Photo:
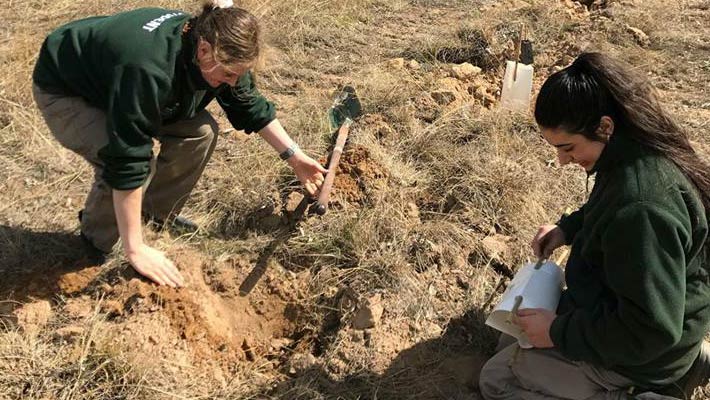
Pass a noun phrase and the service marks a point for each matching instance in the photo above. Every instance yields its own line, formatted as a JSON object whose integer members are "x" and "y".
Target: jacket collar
{"x": 620, "y": 149}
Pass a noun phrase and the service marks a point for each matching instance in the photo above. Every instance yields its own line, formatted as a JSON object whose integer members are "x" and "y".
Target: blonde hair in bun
{"x": 233, "y": 32}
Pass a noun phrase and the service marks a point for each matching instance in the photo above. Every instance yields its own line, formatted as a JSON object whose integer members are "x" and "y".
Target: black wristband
{"x": 286, "y": 154}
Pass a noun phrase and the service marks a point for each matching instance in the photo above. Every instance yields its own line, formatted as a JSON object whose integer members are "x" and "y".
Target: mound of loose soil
{"x": 376, "y": 125}
{"x": 357, "y": 177}
{"x": 206, "y": 324}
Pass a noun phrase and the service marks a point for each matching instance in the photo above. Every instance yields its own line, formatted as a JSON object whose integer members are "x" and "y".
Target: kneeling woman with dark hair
{"x": 637, "y": 303}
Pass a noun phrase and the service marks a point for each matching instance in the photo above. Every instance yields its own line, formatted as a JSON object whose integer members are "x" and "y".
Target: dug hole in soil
{"x": 205, "y": 325}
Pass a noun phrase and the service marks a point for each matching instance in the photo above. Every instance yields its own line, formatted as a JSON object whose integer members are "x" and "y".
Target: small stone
{"x": 300, "y": 362}
{"x": 608, "y": 13}
{"x": 396, "y": 63}
{"x": 414, "y": 65}
{"x": 32, "y": 317}
{"x": 432, "y": 290}
{"x": 431, "y": 329}
{"x": 581, "y": 8}
{"x": 640, "y": 36}
{"x": 368, "y": 313}
{"x": 465, "y": 71}
{"x": 293, "y": 200}
{"x": 330, "y": 291}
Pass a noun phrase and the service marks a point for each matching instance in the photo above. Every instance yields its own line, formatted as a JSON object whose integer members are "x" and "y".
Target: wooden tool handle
{"x": 324, "y": 195}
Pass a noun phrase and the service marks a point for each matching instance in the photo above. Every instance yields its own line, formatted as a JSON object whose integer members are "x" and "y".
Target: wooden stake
{"x": 518, "y": 45}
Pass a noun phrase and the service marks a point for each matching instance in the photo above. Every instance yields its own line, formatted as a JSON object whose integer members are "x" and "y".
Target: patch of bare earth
{"x": 205, "y": 325}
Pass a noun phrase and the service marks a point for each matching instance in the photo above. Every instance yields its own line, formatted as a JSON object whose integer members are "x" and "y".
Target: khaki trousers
{"x": 185, "y": 148}
{"x": 537, "y": 374}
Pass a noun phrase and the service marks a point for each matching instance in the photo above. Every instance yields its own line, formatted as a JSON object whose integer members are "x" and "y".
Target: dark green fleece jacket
{"x": 638, "y": 290}
{"x": 139, "y": 67}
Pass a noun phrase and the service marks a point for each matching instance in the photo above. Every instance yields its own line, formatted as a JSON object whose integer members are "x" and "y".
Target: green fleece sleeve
{"x": 245, "y": 107}
{"x": 571, "y": 224}
{"x": 132, "y": 118}
{"x": 644, "y": 265}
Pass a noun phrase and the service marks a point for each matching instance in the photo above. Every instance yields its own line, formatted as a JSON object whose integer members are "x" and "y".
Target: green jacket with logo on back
{"x": 638, "y": 288}
{"x": 139, "y": 68}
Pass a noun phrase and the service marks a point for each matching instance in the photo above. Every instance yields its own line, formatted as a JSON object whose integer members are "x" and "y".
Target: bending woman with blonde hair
{"x": 108, "y": 86}
{"x": 637, "y": 305}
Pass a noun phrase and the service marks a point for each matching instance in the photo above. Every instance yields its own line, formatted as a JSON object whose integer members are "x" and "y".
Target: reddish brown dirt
{"x": 208, "y": 320}
{"x": 357, "y": 176}
{"x": 75, "y": 282}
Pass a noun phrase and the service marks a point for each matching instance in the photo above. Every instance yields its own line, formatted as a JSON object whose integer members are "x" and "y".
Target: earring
{"x": 607, "y": 135}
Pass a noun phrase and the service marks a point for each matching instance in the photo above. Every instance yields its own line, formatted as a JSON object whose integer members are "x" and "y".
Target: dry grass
{"x": 37, "y": 366}
{"x": 468, "y": 173}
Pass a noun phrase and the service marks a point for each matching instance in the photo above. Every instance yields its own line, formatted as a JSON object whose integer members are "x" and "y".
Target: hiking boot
{"x": 183, "y": 225}
{"x": 179, "y": 225}
{"x": 95, "y": 254}
{"x": 698, "y": 375}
